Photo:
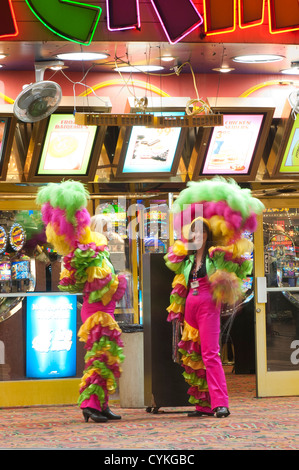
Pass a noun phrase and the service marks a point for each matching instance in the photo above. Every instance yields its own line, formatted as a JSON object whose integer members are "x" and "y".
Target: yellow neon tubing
{"x": 257, "y": 23}
{"x": 224, "y": 31}
{"x": 264, "y": 84}
{"x": 137, "y": 83}
{"x": 7, "y": 99}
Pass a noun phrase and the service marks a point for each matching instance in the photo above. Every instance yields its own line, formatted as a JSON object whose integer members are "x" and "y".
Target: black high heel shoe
{"x": 109, "y": 414}
{"x": 221, "y": 412}
{"x": 95, "y": 415}
{"x": 197, "y": 414}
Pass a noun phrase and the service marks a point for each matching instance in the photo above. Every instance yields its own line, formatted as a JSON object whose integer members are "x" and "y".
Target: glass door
{"x": 277, "y": 299}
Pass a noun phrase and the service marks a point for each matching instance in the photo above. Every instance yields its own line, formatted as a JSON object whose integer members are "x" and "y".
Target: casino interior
{"x": 135, "y": 99}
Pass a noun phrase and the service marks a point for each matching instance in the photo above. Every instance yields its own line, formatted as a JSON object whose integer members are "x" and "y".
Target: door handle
{"x": 261, "y": 287}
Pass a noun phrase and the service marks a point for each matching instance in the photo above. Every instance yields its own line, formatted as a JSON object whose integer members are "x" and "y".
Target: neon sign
{"x": 177, "y": 26}
{"x": 74, "y": 21}
{"x": 123, "y": 15}
{"x": 8, "y": 24}
{"x": 77, "y": 21}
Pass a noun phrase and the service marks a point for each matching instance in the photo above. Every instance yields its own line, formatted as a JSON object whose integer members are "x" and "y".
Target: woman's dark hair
{"x": 209, "y": 241}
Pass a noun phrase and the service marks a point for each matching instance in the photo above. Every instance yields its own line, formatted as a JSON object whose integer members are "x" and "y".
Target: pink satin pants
{"x": 202, "y": 313}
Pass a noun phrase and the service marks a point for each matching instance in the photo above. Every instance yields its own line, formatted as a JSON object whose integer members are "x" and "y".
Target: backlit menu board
{"x": 67, "y": 147}
{"x": 7, "y": 131}
{"x": 290, "y": 160}
{"x": 232, "y": 146}
{"x": 151, "y": 150}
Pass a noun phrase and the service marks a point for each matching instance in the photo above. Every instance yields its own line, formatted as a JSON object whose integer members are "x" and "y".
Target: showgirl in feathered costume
{"x": 87, "y": 270}
{"x": 206, "y": 278}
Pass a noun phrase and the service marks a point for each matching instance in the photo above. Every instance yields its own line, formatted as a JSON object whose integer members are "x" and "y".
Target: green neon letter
{"x": 75, "y": 21}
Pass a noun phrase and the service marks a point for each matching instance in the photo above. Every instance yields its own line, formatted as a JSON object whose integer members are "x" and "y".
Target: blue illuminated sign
{"x": 51, "y": 336}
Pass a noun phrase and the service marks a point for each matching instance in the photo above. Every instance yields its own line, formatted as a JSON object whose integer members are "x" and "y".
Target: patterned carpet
{"x": 254, "y": 424}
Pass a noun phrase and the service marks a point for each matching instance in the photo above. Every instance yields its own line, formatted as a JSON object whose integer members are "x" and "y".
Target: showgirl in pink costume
{"x": 87, "y": 270}
{"x": 210, "y": 260}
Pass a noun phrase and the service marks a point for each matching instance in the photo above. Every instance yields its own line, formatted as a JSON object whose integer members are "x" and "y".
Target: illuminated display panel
{"x": 67, "y": 147}
{"x": 151, "y": 151}
{"x": 4, "y": 126}
{"x": 290, "y": 160}
{"x": 7, "y": 129}
{"x": 51, "y": 336}
{"x": 232, "y": 146}
{"x": 283, "y": 160}
{"x": 236, "y": 148}
{"x": 61, "y": 148}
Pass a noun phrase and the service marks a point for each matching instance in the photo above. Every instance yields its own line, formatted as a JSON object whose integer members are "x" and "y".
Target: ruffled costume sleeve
{"x": 88, "y": 270}
{"x": 87, "y": 267}
{"x": 175, "y": 260}
{"x": 229, "y": 211}
{"x": 227, "y": 267}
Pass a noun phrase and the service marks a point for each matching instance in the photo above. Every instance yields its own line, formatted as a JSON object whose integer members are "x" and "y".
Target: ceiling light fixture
{"x": 83, "y": 56}
{"x": 291, "y": 71}
{"x": 167, "y": 58}
{"x": 58, "y": 67}
{"x": 257, "y": 58}
{"x": 139, "y": 68}
{"x": 224, "y": 69}
{"x": 2, "y": 56}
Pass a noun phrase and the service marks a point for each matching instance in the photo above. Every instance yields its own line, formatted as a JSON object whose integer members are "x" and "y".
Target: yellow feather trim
{"x": 238, "y": 249}
{"x": 225, "y": 287}
{"x": 58, "y": 241}
{"x": 221, "y": 233}
{"x": 241, "y": 247}
{"x": 98, "y": 238}
{"x": 85, "y": 236}
{"x": 102, "y": 318}
{"x": 179, "y": 248}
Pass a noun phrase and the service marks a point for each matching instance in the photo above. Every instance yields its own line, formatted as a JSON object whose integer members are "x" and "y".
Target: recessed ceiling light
{"x": 83, "y": 56}
{"x": 224, "y": 69}
{"x": 2, "y": 56}
{"x": 139, "y": 68}
{"x": 257, "y": 58}
{"x": 58, "y": 67}
{"x": 291, "y": 71}
{"x": 167, "y": 58}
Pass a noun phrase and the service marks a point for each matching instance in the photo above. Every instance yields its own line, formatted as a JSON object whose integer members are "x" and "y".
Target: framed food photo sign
{"x": 7, "y": 130}
{"x": 283, "y": 162}
{"x": 61, "y": 148}
{"x": 234, "y": 149}
{"x": 150, "y": 151}
{"x": 290, "y": 160}
{"x": 232, "y": 145}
